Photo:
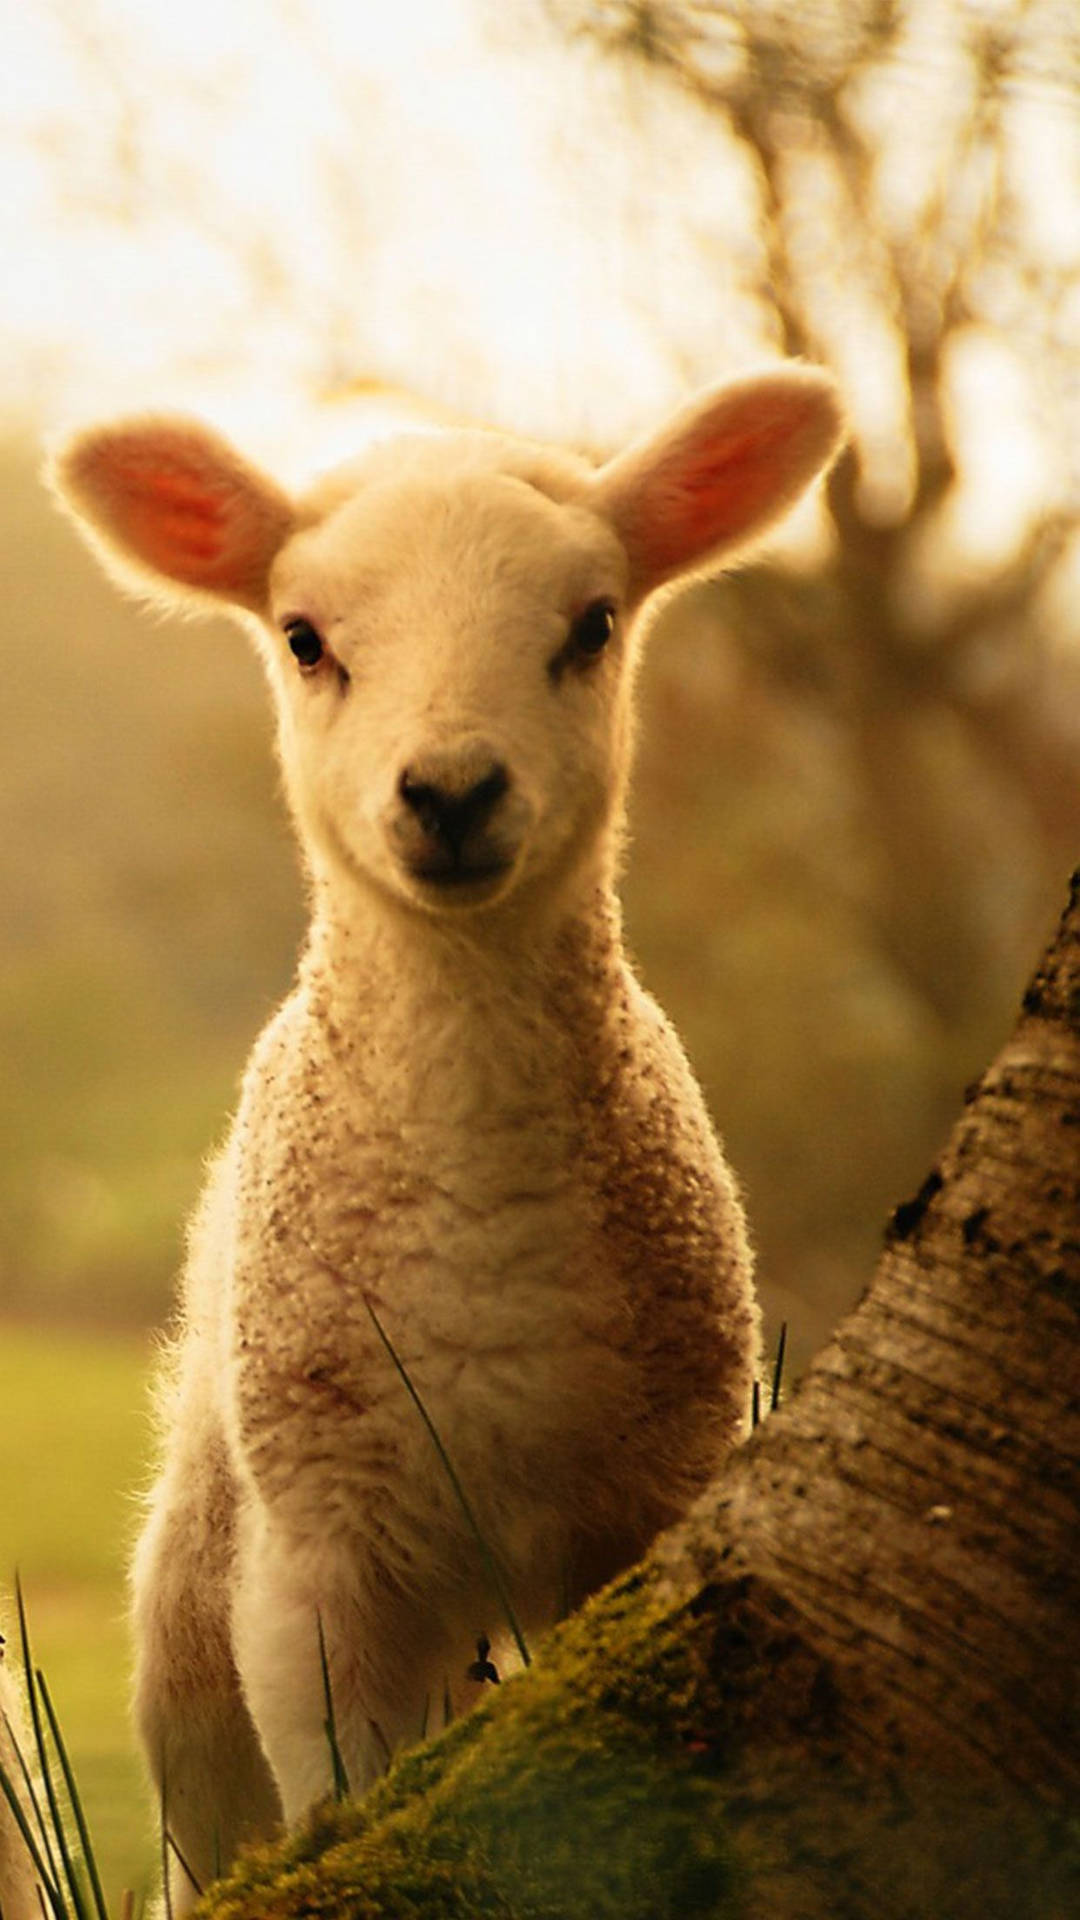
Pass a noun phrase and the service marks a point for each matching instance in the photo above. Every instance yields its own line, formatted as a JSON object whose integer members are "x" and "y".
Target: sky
{"x": 210, "y": 201}
{"x": 256, "y": 208}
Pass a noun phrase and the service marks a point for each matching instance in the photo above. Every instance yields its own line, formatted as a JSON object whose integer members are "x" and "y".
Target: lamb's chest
{"x": 476, "y": 1247}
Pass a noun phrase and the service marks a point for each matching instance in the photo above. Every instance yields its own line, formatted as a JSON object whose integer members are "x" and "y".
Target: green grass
{"x": 112, "y": 1095}
{"x": 73, "y": 1450}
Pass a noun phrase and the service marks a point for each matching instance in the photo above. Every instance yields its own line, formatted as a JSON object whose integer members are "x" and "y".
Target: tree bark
{"x": 847, "y": 1685}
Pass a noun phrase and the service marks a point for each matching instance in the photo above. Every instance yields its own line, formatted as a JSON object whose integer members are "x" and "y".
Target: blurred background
{"x": 858, "y": 792}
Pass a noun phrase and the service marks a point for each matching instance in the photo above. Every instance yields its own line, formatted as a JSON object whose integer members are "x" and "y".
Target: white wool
{"x": 468, "y": 1116}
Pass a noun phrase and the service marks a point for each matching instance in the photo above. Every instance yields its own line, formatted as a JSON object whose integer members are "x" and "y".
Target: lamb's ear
{"x": 721, "y": 471}
{"x": 164, "y": 499}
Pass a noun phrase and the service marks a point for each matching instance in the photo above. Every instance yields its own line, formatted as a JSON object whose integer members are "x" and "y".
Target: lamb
{"x": 467, "y": 1118}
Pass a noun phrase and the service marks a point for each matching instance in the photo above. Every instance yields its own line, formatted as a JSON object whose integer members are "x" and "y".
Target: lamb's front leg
{"x": 209, "y": 1770}
{"x": 392, "y": 1660}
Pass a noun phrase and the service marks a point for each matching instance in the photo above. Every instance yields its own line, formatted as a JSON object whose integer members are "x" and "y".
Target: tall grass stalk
{"x": 341, "y": 1778}
{"x": 756, "y": 1414}
{"x": 490, "y": 1564}
{"x": 73, "y": 1797}
{"x": 778, "y": 1368}
{"x": 70, "y": 1886}
{"x": 45, "y": 1873}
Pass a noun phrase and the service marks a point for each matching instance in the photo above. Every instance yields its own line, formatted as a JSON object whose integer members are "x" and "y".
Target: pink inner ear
{"x": 177, "y": 525}
{"x": 722, "y": 477}
{"x": 180, "y": 503}
{"x": 713, "y": 494}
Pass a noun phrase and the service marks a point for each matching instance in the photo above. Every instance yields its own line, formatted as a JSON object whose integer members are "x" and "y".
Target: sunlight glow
{"x": 205, "y": 200}
{"x": 991, "y": 402}
{"x": 257, "y": 210}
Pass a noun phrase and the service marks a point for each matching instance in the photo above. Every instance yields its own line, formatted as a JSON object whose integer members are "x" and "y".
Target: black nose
{"x": 448, "y": 812}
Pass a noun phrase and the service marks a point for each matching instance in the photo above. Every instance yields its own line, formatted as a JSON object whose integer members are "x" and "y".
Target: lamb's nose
{"x": 448, "y": 811}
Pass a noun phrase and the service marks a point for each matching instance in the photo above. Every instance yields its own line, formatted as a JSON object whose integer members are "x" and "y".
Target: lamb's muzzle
{"x": 445, "y": 833}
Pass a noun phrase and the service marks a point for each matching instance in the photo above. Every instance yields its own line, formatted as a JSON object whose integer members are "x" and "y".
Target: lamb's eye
{"x": 592, "y": 629}
{"x": 306, "y": 643}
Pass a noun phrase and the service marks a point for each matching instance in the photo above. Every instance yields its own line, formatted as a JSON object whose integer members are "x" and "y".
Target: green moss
{"x": 576, "y": 1791}
{"x": 626, "y": 1777}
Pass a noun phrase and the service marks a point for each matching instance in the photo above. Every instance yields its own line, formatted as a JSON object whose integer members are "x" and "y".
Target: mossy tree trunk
{"x": 848, "y": 1684}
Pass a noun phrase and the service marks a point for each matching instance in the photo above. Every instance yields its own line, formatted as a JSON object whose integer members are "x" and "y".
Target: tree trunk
{"x": 847, "y": 1685}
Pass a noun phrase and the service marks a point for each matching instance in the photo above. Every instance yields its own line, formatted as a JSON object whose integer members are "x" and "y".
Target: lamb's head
{"x": 449, "y": 624}
{"x": 453, "y": 706}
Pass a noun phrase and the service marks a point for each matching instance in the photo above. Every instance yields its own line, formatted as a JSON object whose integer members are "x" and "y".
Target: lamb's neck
{"x": 405, "y": 966}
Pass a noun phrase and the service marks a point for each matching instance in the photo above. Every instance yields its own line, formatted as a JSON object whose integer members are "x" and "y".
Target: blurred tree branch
{"x": 894, "y": 229}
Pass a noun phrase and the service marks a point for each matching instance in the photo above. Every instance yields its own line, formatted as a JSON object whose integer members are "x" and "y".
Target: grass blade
{"x": 778, "y": 1370}
{"x": 184, "y": 1868}
{"x": 75, "y": 1801}
{"x": 169, "y": 1844}
{"x": 35, "y": 1724}
{"x": 34, "y": 1803}
{"x": 341, "y": 1778}
{"x": 490, "y": 1564}
{"x": 55, "y": 1814}
{"x": 7, "y": 1788}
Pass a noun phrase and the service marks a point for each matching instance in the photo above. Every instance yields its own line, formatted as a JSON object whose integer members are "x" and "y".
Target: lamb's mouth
{"x": 442, "y": 876}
